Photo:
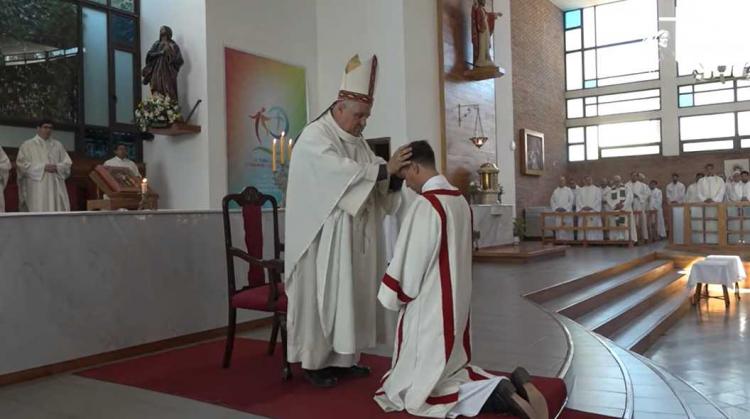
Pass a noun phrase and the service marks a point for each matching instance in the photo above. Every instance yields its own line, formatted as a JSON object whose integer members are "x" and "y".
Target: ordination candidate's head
{"x": 44, "y": 128}
{"x": 421, "y": 167}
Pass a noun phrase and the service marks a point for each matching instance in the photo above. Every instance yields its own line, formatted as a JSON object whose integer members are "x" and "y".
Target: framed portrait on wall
{"x": 532, "y": 152}
{"x": 732, "y": 165}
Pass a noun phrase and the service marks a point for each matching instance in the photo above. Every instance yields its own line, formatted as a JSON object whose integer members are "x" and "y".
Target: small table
{"x": 714, "y": 271}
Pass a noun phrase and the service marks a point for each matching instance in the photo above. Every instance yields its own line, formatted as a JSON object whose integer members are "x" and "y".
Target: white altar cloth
{"x": 494, "y": 223}
{"x": 741, "y": 274}
{"x": 716, "y": 271}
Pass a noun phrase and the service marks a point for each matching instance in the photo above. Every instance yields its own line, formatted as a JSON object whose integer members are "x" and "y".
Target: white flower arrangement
{"x": 157, "y": 111}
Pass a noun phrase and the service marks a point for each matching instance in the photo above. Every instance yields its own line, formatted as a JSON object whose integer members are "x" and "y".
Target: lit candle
{"x": 290, "y": 149}
{"x": 144, "y": 186}
{"x": 273, "y": 155}
{"x": 281, "y": 147}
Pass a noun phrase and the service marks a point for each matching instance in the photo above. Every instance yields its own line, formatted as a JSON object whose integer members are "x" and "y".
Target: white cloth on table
{"x": 723, "y": 272}
{"x": 740, "y": 274}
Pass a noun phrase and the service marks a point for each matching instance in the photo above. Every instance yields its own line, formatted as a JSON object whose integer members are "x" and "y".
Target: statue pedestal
{"x": 484, "y": 73}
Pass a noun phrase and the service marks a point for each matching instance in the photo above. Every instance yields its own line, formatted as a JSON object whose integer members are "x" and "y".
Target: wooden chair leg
{"x": 286, "y": 369}
{"x": 231, "y": 327}
{"x": 274, "y": 333}
{"x": 726, "y": 295}
{"x": 737, "y": 290}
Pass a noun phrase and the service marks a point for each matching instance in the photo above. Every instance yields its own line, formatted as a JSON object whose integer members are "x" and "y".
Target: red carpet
{"x": 253, "y": 384}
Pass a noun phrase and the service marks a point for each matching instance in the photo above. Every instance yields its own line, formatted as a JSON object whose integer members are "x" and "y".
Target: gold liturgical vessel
{"x": 488, "y": 191}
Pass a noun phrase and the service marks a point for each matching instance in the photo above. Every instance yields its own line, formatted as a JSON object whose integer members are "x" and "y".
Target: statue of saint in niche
{"x": 163, "y": 62}
{"x": 482, "y": 28}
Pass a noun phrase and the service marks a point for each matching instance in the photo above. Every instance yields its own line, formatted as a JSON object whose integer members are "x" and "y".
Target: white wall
{"x": 15, "y": 136}
{"x": 177, "y": 167}
{"x": 506, "y": 133}
{"x": 283, "y": 30}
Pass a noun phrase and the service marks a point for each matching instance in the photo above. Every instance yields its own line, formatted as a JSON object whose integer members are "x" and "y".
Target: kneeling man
{"x": 429, "y": 283}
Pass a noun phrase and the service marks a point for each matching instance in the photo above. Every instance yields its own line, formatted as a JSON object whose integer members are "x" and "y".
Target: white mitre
{"x": 358, "y": 82}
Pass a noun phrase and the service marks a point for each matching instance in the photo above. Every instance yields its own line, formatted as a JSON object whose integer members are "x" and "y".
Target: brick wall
{"x": 538, "y": 92}
{"x": 654, "y": 167}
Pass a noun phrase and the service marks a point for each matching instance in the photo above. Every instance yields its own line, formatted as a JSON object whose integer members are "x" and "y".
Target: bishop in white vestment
{"x": 563, "y": 200}
{"x": 711, "y": 188}
{"x": 655, "y": 203}
{"x": 620, "y": 198}
{"x": 43, "y": 165}
{"x": 675, "y": 190}
{"x": 4, "y": 173}
{"x": 121, "y": 160}
{"x": 428, "y": 283}
{"x": 641, "y": 194}
{"x": 590, "y": 200}
{"x": 337, "y": 196}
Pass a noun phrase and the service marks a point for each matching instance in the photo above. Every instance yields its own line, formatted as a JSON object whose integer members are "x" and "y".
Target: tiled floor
{"x": 709, "y": 348}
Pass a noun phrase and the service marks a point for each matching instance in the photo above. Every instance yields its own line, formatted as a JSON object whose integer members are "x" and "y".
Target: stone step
{"x": 609, "y": 318}
{"x": 576, "y": 304}
{"x": 642, "y": 331}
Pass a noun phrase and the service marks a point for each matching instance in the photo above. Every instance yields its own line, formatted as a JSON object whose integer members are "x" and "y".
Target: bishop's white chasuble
{"x": 334, "y": 246}
{"x": 429, "y": 283}
{"x": 39, "y": 190}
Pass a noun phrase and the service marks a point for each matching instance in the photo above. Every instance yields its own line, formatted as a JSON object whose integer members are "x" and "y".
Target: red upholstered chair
{"x": 265, "y": 289}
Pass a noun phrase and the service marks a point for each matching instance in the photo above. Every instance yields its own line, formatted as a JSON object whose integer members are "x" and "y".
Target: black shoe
{"x": 519, "y": 378}
{"x": 320, "y": 378}
{"x": 355, "y": 371}
{"x": 504, "y": 399}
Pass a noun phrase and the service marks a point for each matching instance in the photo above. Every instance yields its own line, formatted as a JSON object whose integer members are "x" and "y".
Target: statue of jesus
{"x": 482, "y": 28}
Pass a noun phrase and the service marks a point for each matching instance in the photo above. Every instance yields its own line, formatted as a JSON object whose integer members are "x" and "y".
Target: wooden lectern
{"x": 122, "y": 188}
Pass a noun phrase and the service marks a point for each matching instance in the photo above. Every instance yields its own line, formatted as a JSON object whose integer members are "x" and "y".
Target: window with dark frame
{"x": 77, "y": 62}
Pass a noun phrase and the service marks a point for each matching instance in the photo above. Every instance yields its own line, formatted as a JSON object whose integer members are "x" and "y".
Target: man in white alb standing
{"x": 337, "y": 196}
{"x": 711, "y": 188}
{"x": 620, "y": 198}
{"x": 641, "y": 194}
{"x": 675, "y": 190}
{"x": 43, "y": 165}
{"x": 656, "y": 203}
{"x": 562, "y": 200}
{"x": 590, "y": 200}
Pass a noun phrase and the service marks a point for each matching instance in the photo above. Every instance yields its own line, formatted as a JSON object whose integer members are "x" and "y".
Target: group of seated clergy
{"x": 634, "y": 197}
{"x": 42, "y": 166}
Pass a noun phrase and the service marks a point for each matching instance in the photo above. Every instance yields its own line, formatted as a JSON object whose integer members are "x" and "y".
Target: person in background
{"x": 655, "y": 203}
{"x": 590, "y": 200}
{"x": 675, "y": 190}
{"x": 711, "y": 188}
{"x": 43, "y": 165}
{"x": 121, "y": 160}
{"x": 4, "y": 174}
{"x": 734, "y": 188}
{"x": 691, "y": 194}
{"x": 563, "y": 200}
{"x": 641, "y": 194}
{"x": 620, "y": 198}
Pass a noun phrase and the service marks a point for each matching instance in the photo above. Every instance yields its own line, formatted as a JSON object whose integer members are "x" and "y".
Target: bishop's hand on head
{"x": 399, "y": 160}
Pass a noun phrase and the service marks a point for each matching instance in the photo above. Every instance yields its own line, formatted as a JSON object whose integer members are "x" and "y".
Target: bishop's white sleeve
{"x": 416, "y": 251}
{"x": 26, "y": 168}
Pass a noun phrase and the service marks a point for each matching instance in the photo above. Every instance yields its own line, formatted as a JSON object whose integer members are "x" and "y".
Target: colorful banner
{"x": 265, "y": 98}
